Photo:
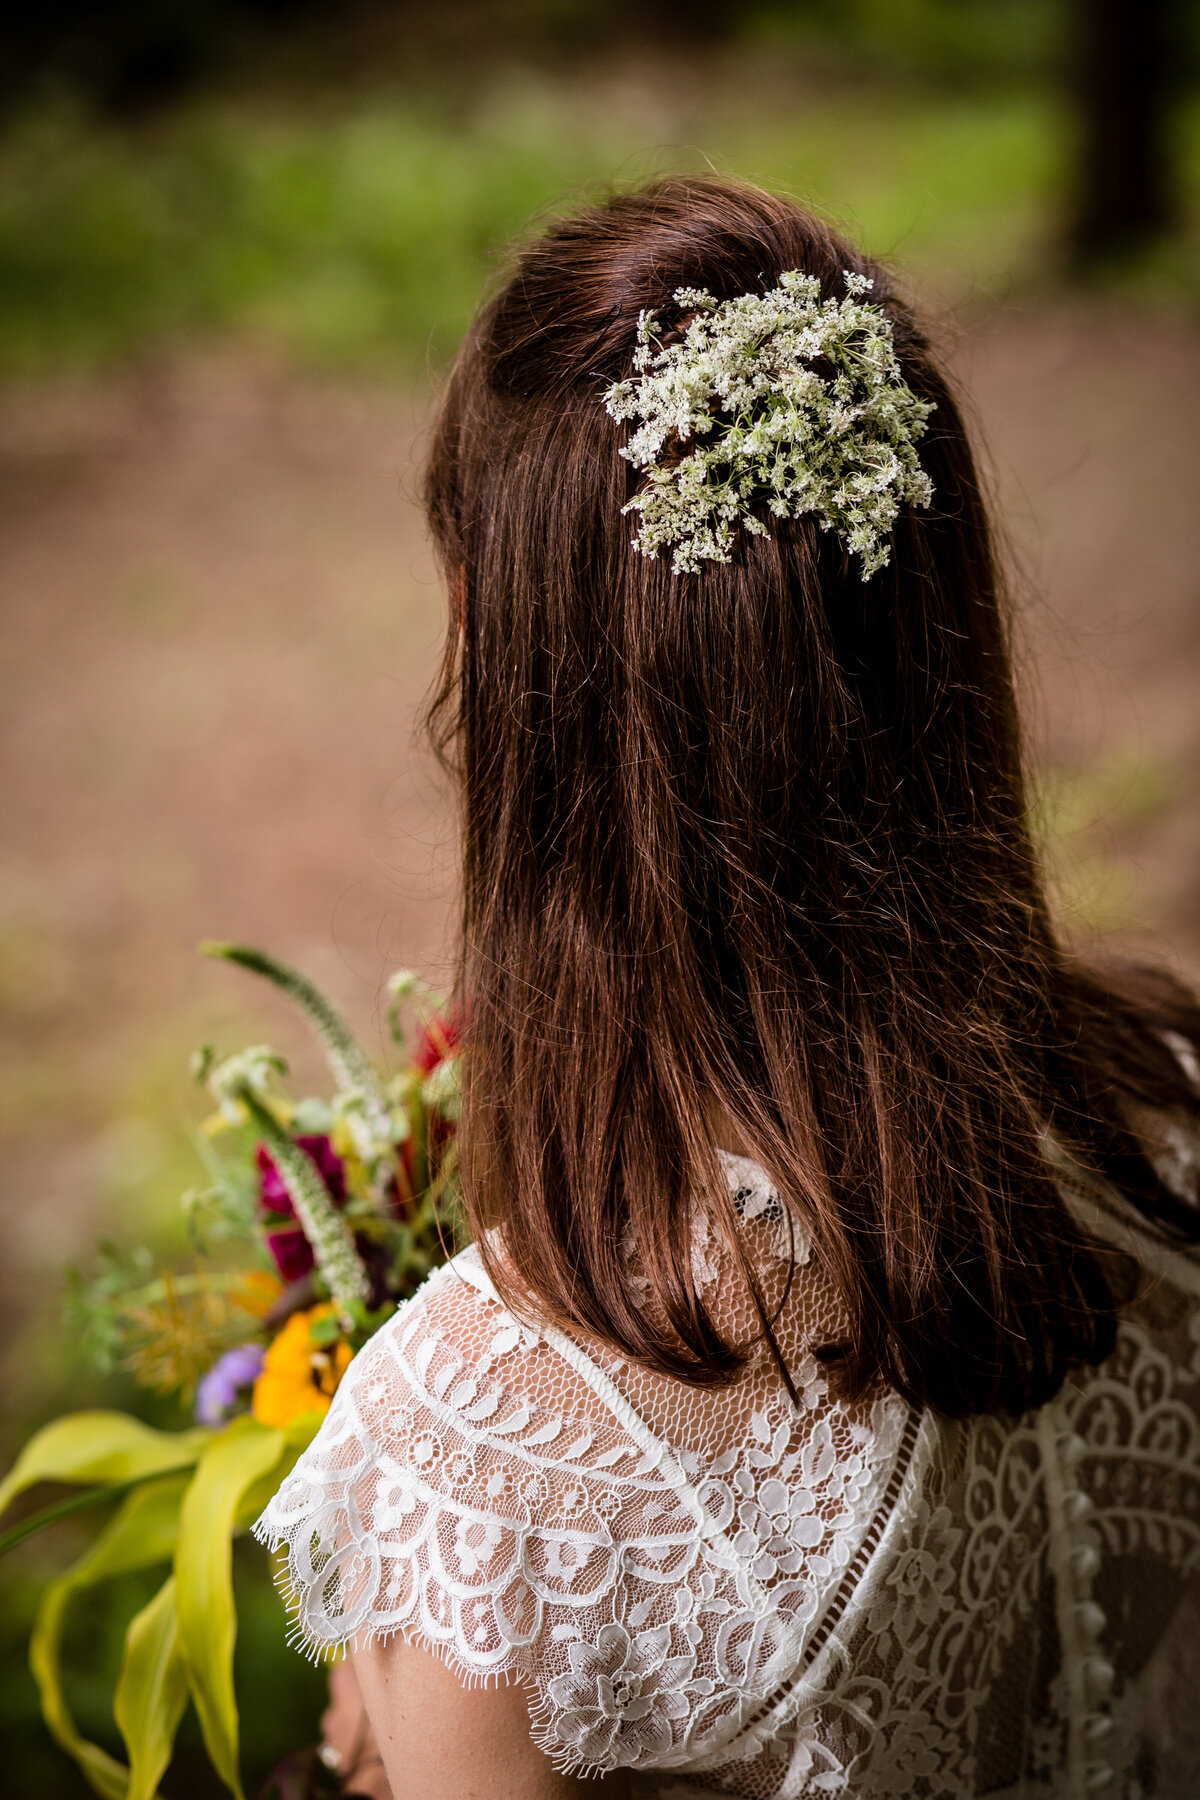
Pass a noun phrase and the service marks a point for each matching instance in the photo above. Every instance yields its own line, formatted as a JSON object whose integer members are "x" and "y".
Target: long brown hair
{"x": 755, "y": 840}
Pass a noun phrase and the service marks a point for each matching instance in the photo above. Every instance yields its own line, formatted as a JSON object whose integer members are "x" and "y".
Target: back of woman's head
{"x": 749, "y": 844}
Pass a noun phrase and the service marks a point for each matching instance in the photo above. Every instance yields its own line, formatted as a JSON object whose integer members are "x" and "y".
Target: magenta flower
{"x": 226, "y": 1388}
{"x": 286, "y": 1241}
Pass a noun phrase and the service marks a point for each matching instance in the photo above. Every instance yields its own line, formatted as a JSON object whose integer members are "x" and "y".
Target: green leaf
{"x": 81, "y": 1502}
{"x": 98, "y": 1447}
{"x": 244, "y": 1455}
{"x": 140, "y": 1534}
{"x": 261, "y": 1491}
{"x": 152, "y": 1692}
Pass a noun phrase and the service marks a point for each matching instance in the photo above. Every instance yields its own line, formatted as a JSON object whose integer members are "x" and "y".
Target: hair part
{"x": 755, "y": 838}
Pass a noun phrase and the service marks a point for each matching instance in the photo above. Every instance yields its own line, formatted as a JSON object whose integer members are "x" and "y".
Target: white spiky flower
{"x": 769, "y": 430}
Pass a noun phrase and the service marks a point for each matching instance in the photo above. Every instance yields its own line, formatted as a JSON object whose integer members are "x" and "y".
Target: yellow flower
{"x": 299, "y": 1376}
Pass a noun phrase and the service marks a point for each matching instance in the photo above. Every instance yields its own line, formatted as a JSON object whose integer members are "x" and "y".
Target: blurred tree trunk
{"x": 1123, "y": 83}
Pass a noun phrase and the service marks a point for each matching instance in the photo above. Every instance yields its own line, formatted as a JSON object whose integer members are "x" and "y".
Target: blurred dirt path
{"x": 1091, "y": 425}
{"x": 220, "y": 616}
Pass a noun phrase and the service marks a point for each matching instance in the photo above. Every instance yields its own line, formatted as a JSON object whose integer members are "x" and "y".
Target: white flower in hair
{"x": 770, "y": 430}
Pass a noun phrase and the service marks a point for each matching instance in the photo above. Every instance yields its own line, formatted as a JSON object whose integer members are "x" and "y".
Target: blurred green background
{"x": 238, "y": 241}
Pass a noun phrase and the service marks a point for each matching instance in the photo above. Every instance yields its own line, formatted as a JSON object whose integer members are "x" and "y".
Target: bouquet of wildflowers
{"x": 318, "y": 1218}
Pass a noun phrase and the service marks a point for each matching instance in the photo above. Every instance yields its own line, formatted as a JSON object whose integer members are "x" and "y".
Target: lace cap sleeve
{"x": 488, "y": 1491}
{"x": 464, "y": 1490}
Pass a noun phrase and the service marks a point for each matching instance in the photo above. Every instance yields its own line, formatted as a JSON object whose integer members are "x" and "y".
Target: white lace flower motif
{"x": 475, "y": 1543}
{"x": 621, "y": 1698}
{"x": 573, "y": 1499}
{"x": 533, "y": 1489}
{"x": 499, "y": 1483}
{"x": 396, "y": 1499}
{"x": 915, "y": 1756}
{"x": 427, "y": 1452}
{"x": 479, "y": 1622}
{"x": 778, "y": 1524}
{"x": 384, "y": 1404}
{"x": 565, "y": 1558}
{"x": 699, "y": 1600}
{"x": 460, "y": 1468}
{"x": 607, "y": 1503}
{"x": 918, "y": 1582}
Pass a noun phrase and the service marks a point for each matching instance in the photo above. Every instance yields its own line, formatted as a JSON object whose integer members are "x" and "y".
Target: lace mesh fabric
{"x": 733, "y": 1596}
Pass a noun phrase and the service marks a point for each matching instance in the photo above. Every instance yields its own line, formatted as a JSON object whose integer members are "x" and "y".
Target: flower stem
{"x": 351, "y": 1069}
{"x": 326, "y": 1230}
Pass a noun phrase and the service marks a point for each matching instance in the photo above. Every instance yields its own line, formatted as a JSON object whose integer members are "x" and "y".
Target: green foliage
{"x": 93, "y": 1302}
{"x": 227, "y": 1210}
{"x": 186, "y": 1495}
{"x": 245, "y": 1458}
{"x": 151, "y": 1692}
{"x": 98, "y": 1447}
{"x": 141, "y": 1534}
{"x": 972, "y": 42}
{"x": 166, "y": 1328}
{"x": 324, "y": 1225}
{"x": 348, "y": 1065}
{"x": 282, "y": 1693}
{"x": 363, "y": 235}
{"x": 182, "y": 1642}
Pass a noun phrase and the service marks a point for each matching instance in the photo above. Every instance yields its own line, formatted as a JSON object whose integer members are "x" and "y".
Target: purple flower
{"x": 226, "y": 1387}
{"x": 288, "y": 1244}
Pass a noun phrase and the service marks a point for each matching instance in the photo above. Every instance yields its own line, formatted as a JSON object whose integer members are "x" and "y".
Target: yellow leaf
{"x": 256, "y": 1292}
{"x": 151, "y": 1692}
{"x": 264, "y": 1489}
{"x": 233, "y": 1463}
{"x": 98, "y": 1446}
{"x": 141, "y": 1533}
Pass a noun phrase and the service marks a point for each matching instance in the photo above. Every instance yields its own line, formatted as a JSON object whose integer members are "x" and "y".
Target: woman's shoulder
{"x": 456, "y": 1319}
{"x": 467, "y": 1478}
{"x": 484, "y": 1486}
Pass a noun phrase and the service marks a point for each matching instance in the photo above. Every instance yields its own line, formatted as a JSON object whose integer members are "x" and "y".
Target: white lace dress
{"x": 732, "y": 1596}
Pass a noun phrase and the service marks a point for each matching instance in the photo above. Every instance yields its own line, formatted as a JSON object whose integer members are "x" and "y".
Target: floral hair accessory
{"x": 836, "y": 440}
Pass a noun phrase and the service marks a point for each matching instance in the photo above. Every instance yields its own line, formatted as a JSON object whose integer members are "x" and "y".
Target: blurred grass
{"x": 1076, "y": 813}
{"x": 362, "y": 234}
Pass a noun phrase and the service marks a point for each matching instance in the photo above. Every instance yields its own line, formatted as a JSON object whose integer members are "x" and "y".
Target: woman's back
{"x": 732, "y": 1593}
{"x": 798, "y": 1489}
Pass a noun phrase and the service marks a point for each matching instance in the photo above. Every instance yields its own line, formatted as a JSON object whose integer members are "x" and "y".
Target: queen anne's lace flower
{"x": 771, "y": 431}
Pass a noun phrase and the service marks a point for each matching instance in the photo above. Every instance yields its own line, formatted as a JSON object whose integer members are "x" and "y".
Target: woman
{"x": 816, "y": 1411}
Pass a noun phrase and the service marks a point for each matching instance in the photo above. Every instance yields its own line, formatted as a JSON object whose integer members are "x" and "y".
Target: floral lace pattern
{"x": 732, "y": 1595}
